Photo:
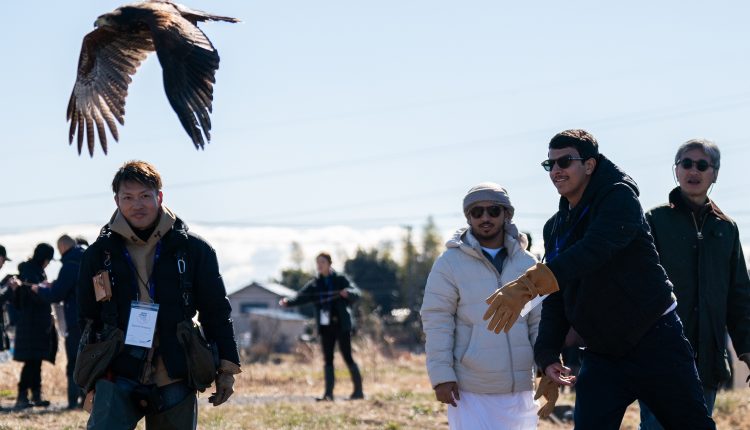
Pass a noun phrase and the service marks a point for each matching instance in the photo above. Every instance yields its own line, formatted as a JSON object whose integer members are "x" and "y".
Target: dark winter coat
{"x": 703, "y": 258}
{"x": 64, "y": 289}
{"x": 612, "y": 287}
{"x": 318, "y": 293}
{"x": 208, "y": 297}
{"x": 36, "y": 337}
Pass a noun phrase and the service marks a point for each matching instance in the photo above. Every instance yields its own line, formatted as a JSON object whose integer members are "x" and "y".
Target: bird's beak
{"x": 100, "y": 21}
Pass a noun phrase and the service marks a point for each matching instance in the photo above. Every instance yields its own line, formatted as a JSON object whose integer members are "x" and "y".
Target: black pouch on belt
{"x": 147, "y": 399}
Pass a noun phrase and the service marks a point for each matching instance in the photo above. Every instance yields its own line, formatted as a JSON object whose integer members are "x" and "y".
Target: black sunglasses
{"x": 701, "y": 165}
{"x": 563, "y": 162}
{"x": 493, "y": 211}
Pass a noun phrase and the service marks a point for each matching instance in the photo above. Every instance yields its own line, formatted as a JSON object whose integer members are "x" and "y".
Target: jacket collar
{"x": 73, "y": 253}
{"x": 464, "y": 240}
{"x": 119, "y": 225}
{"x": 606, "y": 175}
{"x": 174, "y": 236}
{"x": 677, "y": 201}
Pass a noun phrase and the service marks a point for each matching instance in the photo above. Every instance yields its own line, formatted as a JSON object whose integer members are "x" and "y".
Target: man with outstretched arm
{"x": 605, "y": 280}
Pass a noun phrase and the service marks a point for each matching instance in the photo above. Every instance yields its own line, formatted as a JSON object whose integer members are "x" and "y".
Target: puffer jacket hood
{"x": 464, "y": 240}
{"x": 606, "y": 175}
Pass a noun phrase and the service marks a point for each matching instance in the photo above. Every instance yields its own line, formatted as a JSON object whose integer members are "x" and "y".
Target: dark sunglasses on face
{"x": 563, "y": 162}
{"x": 701, "y": 165}
{"x": 493, "y": 211}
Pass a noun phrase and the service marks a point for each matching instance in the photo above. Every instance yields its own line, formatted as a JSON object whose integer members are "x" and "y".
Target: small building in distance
{"x": 259, "y": 320}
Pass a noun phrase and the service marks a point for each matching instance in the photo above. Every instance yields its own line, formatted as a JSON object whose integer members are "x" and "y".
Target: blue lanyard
{"x": 326, "y": 297}
{"x": 151, "y": 282}
{"x": 560, "y": 241}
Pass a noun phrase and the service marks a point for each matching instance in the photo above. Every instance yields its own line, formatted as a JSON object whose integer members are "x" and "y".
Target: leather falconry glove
{"x": 224, "y": 382}
{"x": 506, "y": 302}
{"x": 551, "y": 391}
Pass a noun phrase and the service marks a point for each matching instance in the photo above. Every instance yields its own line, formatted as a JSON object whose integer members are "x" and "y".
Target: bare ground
{"x": 279, "y": 394}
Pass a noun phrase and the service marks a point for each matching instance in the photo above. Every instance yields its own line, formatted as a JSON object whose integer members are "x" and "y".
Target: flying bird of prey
{"x": 111, "y": 54}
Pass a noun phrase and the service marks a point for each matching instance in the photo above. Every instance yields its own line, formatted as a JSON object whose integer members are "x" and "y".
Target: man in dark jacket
{"x": 700, "y": 249}
{"x": 612, "y": 291}
{"x": 64, "y": 290}
{"x": 36, "y": 337}
{"x": 332, "y": 295}
{"x": 155, "y": 266}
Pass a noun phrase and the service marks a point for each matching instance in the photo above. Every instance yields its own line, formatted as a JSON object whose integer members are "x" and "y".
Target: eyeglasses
{"x": 563, "y": 162}
{"x": 687, "y": 164}
{"x": 493, "y": 211}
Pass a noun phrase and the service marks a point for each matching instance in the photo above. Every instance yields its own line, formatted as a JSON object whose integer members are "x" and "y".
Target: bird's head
{"x": 102, "y": 21}
{"x": 107, "y": 20}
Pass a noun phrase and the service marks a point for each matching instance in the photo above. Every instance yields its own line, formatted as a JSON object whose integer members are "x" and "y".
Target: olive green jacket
{"x": 703, "y": 258}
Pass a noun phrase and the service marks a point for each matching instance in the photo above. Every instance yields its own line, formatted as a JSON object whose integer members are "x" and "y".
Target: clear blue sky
{"x": 370, "y": 114}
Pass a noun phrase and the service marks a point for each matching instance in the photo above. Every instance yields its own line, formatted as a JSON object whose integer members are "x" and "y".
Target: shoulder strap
{"x": 186, "y": 283}
{"x": 109, "y": 308}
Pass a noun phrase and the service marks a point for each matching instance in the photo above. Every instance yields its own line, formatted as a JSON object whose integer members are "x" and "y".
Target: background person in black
{"x": 7, "y": 285}
{"x": 36, "y": 337}
{"x": 332, "y": 294}
{"x": 63, "y": 289}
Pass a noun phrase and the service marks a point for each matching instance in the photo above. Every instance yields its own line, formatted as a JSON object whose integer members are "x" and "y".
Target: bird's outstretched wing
{"x": 108, "y": 60}
{"x": 189, "y": 63}
{"x": 195, "y": 16}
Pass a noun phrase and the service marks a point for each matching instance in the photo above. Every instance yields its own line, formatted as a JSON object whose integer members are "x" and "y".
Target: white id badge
{"x": 141, "y": 324}
{"x": 325, "y": 317}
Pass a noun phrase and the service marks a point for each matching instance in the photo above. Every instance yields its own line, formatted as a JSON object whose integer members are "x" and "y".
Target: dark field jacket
{"x": 209, "y": 295}
{"x": 36, "y": 337}
{"x": 64, "y": 289}
{"x": 703, "y": 258}
{"x": 612, "y": 287}
{"x": 316, "y": 292}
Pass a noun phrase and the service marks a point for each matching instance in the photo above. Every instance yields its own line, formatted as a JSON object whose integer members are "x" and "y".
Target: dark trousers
{"x": 649, "y": 421}
{"x": 329, "y": 334}
{"x": 660, "y": 371}
{"x": 31, "y": 376}
{"x": 116, "y": 409}
{"x": 71, "y": 351}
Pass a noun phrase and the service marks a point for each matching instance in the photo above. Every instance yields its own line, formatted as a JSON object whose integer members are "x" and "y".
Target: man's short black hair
{"x": 581, "y": 140}
{"x": 137, "y": 171}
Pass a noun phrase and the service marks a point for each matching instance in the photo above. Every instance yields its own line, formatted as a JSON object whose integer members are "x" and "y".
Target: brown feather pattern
{"x": 112, "y": 53}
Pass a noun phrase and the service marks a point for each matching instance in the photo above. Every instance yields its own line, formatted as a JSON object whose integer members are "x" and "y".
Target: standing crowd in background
{"x": 29, "y": 297}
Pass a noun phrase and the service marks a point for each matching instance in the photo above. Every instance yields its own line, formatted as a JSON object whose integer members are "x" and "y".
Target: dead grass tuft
{"x": 278, "y": 394}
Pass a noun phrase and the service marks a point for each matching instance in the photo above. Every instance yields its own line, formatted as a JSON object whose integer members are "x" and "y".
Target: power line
{"x": 503, "y": 140}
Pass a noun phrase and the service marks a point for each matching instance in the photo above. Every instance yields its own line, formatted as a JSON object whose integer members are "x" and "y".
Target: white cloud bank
{"x": 245, "y": 254}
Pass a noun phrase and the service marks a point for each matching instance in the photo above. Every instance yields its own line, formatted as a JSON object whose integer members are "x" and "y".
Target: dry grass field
{"x": 279, "y": 394}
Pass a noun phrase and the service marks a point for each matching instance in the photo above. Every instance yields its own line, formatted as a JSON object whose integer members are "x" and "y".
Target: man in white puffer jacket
{"x": 486, "y": 378}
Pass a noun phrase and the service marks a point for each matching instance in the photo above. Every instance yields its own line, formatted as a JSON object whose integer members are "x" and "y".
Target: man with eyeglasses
{"x": 601, "y": 257}
{"x": 486, "y": 379}
{"x": 700, "y": 249}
